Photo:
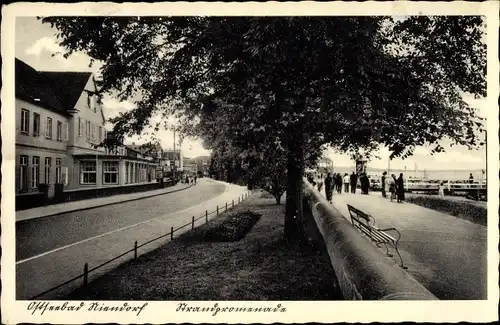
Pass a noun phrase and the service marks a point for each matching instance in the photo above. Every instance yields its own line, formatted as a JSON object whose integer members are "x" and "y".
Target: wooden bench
{"x": 366, "y": 224}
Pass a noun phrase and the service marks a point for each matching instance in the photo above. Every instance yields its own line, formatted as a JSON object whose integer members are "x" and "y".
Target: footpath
{"x": 446, "y": 254}
{"x": 259, "y": 266}
{"x": 55, "y": 209}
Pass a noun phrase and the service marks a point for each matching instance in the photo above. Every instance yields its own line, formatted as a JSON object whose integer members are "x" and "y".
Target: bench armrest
{"x": 393, "y": 229}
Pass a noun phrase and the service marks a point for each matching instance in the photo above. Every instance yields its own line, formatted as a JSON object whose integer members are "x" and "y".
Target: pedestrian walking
{"x": 338, "y": 183}
{"x": 441, "y": 189}
{"x": 400, "y": 188}
{"x": 383, "y": 184}
{"x": 354, "y": 182}
{"x": 392, "y": 186}
{"x": 329, "y": 187}
{"x": 195, "y": 179}
{"x": 346, "y": 180}
{"x": 320, "y": 185}
{"x": 365, "y": 183}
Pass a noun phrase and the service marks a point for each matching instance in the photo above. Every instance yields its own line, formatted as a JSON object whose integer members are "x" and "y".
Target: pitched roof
{"x": 69, "y": 85}
{"x": 34, "y": 88}
{"x": 59, "y": 91}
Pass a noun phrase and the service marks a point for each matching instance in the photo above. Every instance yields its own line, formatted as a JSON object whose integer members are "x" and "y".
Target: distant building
{"x": 173, "y": 158}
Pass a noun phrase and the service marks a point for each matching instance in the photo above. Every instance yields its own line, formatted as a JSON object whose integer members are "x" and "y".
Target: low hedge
{"x": 232, "y": 229}
{"x": 463, "y": 210}
{"x": 227, "y": 228}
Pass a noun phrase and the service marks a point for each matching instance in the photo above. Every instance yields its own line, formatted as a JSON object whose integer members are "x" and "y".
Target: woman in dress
{"x": 400, "y": 188}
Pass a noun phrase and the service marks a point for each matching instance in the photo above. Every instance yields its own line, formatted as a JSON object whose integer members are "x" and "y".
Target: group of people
{"x": 396, "y": 187}
{"x": 333, "y": 182}
{"x": 191, "y": 180}
{"x": 336, "y": 182}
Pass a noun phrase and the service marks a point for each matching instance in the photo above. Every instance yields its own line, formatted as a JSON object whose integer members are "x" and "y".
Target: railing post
{"x": 171, "y": 233}
{"x": 226, "y": 206}
{"x": 217, "y": 210}
{"x": 206, "y": 216}
{"x": 192, "y": 223}
{"x": 85, "y": 274}
{"x": 135, "y": 250}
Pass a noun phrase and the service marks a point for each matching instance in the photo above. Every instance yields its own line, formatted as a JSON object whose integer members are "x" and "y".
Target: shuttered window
{"x": 35, "y": 172}
{"x": 58, "y": 171}
{"x": 25, "y": 121}
{"x": 81, "y": 126}
{"x": 59, "y": 131}
{"x": 23, "y": 179}
{"x": 48, "y": 128}
{"x": 36, "y": 124}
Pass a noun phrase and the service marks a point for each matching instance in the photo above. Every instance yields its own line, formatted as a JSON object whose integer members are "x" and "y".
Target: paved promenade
{"x": 446, "y": 254}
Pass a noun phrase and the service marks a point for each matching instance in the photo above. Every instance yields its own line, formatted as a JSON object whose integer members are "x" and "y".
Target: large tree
{"x": 293, "y": 82}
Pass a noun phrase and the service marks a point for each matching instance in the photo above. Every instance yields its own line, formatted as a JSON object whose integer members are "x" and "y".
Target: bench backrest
{"x": 359, "y": 216}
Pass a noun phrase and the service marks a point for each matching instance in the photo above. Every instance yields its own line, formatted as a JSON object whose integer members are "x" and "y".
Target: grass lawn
{"x": 259, "y": 266}
{"x": 460, "y": 209}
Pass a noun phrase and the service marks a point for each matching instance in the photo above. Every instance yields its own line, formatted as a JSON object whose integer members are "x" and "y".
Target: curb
{"x": 106, "y": 204}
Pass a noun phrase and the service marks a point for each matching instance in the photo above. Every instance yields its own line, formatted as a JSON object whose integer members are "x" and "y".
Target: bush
{"x": 229, "y": 228}
{"x": 232, "y": 229}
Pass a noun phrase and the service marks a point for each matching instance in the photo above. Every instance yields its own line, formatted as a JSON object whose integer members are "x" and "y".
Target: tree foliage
{"x": 258, "y": 85}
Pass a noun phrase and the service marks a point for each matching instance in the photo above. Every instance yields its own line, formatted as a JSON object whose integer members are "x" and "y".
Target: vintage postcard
{"x": 250, "y": 162}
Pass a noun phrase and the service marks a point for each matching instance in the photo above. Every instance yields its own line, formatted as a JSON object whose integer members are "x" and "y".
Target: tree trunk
{"x": 277, "y": 191}
{"x": 294, "y": 195}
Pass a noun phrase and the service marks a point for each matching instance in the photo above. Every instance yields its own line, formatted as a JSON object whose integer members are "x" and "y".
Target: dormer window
{"x": 92, "y": 102}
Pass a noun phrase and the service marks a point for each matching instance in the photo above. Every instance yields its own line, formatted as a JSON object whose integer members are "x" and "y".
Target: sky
{"x": 36, "y": 45}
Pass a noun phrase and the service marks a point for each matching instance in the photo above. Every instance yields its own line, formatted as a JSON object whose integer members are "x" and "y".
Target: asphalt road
{"x": 109, "y": 232}
{"x": 36, "y": 236}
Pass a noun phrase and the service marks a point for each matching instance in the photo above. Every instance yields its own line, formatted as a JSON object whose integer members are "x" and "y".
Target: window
{"x": 36, "y": 124}
{"x": 59, "y": 131}
{"x": 23, "y": 173}
{"x": 35, "y": 172}
{"x": 93, "y": 132}
{"x": 58, "y": 171}
{"x": 25, "y": 121}
{"x": 87, "y": 131}
{"x": 88, "y": 172}
{"x": 93, "y": 105}
{"x": 48, "y": 164}
{"x": 81, "y": 125}
{"x": 110, "y": 172}
{"x": 48, "y": 128}
{"x": 65, "y": 131}
{"x": 100, "y": 134}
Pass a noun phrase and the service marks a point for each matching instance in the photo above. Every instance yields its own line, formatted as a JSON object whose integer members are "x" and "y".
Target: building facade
{"x": 59, "y": 128}
{"x": 42, "y": 133}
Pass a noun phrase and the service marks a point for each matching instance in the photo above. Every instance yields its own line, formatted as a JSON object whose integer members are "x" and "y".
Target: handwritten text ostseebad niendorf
{"x": 47, "y": 306}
